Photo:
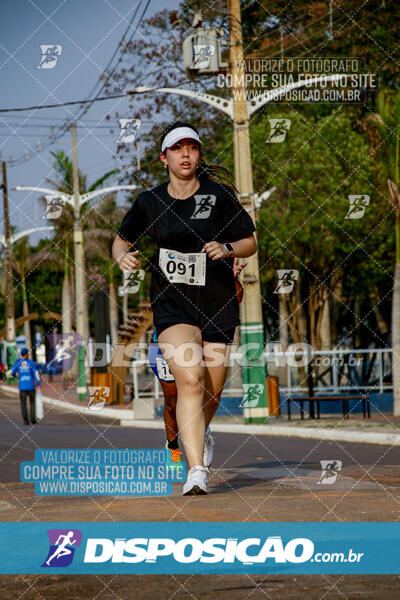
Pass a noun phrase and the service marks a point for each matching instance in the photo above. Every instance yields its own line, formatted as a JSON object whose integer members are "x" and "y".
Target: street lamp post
{"x": 76, "y": 201}
{"x": 79, "y": 274}
{"x": 11, "y": 349}
{"x": 255, "y": 409}
{"x": 7, "y": 241}
{"x": 20, "y": 234}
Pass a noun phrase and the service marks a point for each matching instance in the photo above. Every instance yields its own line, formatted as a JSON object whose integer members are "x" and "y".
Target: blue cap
{"x": 24, "y": 351}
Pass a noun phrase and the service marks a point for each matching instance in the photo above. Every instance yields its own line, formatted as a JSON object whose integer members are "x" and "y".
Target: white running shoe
{"x": 208, "y": 448}
{"x": 196, "y": 483}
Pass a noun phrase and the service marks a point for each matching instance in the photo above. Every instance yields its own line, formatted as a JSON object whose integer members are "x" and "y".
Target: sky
{"x": 88, "y": 32}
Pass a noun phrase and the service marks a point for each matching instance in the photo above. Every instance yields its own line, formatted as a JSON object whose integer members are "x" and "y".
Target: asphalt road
{"x": 254, "y": 478}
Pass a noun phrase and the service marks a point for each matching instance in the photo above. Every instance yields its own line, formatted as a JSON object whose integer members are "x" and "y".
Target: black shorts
{"x": 222, "y": 337}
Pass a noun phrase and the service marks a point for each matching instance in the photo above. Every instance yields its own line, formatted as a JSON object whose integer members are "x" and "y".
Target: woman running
{"x": 199, "y": 226}
{"x": 168, "y": 386}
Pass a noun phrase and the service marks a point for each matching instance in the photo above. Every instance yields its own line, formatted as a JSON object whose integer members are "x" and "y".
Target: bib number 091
{"x": 179, "y": 267}
{"x": 173, "y": 266}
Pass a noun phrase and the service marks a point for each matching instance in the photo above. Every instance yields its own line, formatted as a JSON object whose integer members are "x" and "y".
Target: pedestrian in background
{"x": 28, "y": 379}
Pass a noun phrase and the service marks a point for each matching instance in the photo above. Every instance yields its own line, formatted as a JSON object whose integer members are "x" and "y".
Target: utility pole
{"x": 71, "y": 200}
{"x": 10, "y": 316}
{"x": 78, "y": 261}
{"x": 252, "y": 330}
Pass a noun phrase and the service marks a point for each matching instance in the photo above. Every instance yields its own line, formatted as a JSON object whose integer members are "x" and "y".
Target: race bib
{"x": 163, "y": 370}
{"x": 187, "y": 268}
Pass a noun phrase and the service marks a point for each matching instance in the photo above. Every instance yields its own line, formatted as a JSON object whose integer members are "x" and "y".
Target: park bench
{"x": 345, "y": 404}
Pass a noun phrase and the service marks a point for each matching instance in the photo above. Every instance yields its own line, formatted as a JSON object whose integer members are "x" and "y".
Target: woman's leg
{"x": 170, "y": 424}
{"x": 189, "y": 377}
{"x": 215, "y": 357}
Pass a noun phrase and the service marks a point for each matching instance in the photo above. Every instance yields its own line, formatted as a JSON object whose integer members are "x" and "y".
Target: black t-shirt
{"x": 212, "y": 213}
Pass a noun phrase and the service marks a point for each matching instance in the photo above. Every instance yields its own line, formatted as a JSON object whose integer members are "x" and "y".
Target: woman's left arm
{"x": 241, "y": 248}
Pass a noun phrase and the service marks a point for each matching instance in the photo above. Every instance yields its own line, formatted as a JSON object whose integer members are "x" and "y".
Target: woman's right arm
{"x": 125, "y": 259}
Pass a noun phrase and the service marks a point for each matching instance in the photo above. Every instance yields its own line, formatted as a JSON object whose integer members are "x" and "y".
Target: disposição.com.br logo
{"x": 63, "y": 543}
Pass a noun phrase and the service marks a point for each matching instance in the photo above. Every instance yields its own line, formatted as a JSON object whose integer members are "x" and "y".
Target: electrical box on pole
{"x": 202, "y": 52}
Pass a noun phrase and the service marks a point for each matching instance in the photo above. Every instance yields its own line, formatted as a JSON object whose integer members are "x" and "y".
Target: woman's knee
{"x": 191, "y": 379}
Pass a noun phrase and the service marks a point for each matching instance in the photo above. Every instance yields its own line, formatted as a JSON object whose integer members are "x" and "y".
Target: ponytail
{"x": 215, "y": 173}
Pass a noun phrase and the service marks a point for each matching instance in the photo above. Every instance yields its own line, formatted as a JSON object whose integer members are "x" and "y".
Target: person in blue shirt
{"x": 28, "y": 379}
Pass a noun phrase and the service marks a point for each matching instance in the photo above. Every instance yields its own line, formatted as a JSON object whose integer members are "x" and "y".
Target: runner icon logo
{"x": 129, "y": 129}
{"x": 63, "y": 347}
{"x": 204, "y": 205}
{"x": 50, "y": 56}
{"x": 54, "y": 206}
{"x": 330, "y": 471}
{"x": 287, "y": 279}
{"x": 251, "y": 394}
{"x": 62, "y": 547}
{"x": 358, "y": 203}
{"x": 202, "y": 55}
{"x": 132, "y": 281}
{"x": 97, "y": 397}
{"x": 279, "y": 129}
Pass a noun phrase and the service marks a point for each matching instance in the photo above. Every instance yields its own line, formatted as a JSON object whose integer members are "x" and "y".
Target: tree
{"x": 387, "y": 121}
{"x": 302, "y": 225}
{"x": 98, "y": 216}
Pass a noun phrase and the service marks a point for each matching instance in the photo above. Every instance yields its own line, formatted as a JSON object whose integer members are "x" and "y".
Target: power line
{"x": 114, "y": 54}
{"x": 343, "y": 18}
{"x": 39, "y": 107}
{"x": 65, "y": 127}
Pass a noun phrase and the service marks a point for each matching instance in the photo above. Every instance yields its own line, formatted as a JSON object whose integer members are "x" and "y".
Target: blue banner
{"x": 100, "y": 472}
{"x": 156, "y": 548}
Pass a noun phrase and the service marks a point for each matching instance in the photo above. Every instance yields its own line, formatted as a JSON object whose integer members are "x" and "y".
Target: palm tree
{"x": 100, "y": 220}
{"x": 24, "y": 260}
{"x": 387, "y": 121}
{"x": 102, "y": 225}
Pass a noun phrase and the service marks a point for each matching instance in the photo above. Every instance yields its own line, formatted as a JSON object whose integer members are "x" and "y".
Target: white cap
{"x": 180, "y": 133}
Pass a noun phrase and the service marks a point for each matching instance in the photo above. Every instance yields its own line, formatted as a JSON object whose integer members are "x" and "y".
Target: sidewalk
{"x": 379, "y": 429}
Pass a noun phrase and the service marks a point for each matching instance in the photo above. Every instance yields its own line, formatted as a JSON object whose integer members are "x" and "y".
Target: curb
{"x": 389, "y": 439}
{"x": 108, "y": 413}
{"x": 360, "y": 437}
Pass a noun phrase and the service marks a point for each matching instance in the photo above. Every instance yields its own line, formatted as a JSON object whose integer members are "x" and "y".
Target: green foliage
{"x": 387, "y": 122}
{"x": 44, "y": 287}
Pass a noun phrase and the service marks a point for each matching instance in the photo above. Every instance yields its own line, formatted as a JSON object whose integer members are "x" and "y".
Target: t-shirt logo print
{"x": 204, "y": 205}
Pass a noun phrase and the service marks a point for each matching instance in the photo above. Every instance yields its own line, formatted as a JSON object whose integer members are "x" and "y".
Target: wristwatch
{"x": 229, "y": 249}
